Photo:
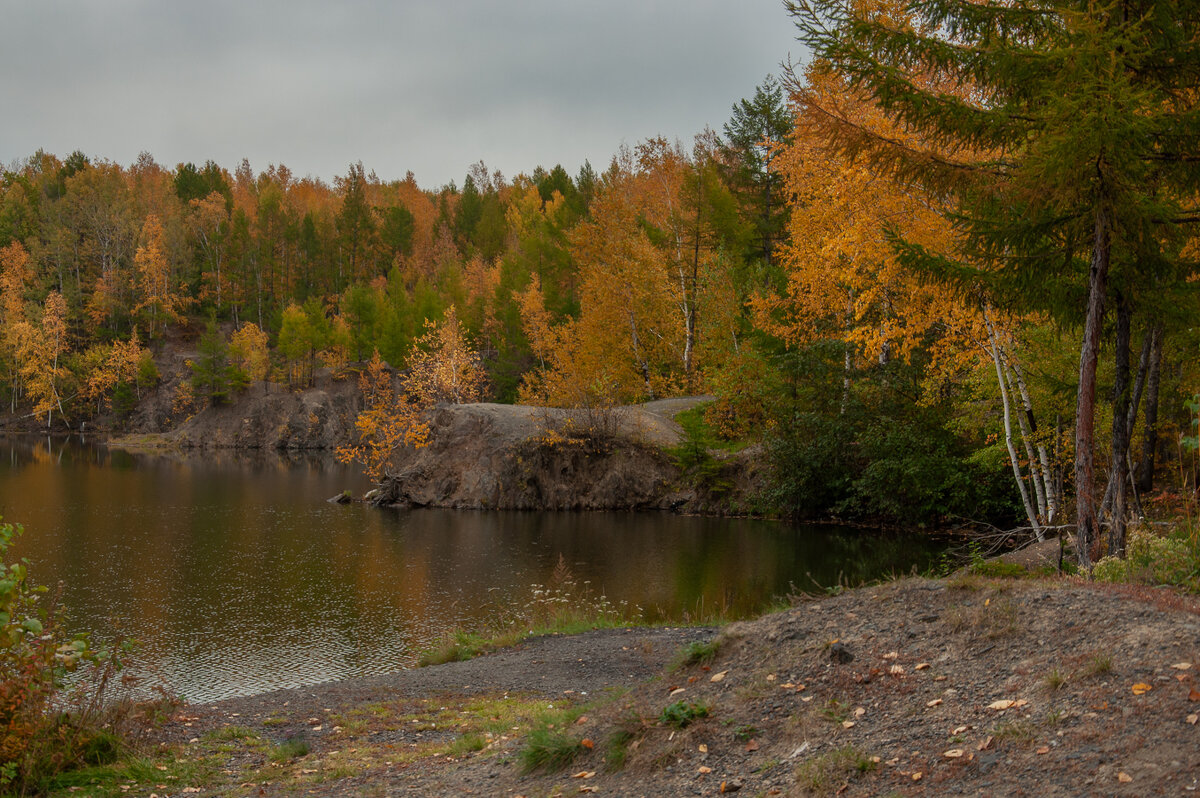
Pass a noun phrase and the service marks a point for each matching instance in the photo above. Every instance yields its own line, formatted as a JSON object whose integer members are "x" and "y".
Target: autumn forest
{"x": 934, "y": 284}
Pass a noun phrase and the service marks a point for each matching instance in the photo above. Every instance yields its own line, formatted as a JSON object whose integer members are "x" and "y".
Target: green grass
{"x": 698, "y": 652}
{"x": 829, "y": 771}
{"x": 288, "y": 750}
{"x": 681, "y": 714}
{"x": 549, "y": 750}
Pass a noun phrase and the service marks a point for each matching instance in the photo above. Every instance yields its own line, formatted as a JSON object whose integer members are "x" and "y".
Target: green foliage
{"x": 682, "y": 714}
{"x": 699, "y": 652}
{"x": 694, "y": 458}
{"x": 1191, "y": 442}
{"x": 549, "y": 749}
{"x": 1153, "y": 559}
{"x": 881, "y": 458}
{"x": 38, "y": 739}
{"x": 827, "y": 772}
{"x": 292, "y": 748}
{"x": 212, "y": 374}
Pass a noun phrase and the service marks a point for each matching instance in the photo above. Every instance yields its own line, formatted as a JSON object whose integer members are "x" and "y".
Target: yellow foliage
{"x": 443, "y": 366}
{"x": 390, "y": 420}
{"x": 248, "y": 351}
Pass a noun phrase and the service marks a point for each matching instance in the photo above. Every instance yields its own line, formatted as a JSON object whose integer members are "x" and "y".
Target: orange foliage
{"x": 390, "y": 420}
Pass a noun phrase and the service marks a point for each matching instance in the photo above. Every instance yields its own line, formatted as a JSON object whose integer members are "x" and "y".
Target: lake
{"x": 237, "y": 576}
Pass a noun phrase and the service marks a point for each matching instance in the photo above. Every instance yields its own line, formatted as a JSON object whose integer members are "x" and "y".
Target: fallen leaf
{"x": 752, "y": 745}
{"x": 1124, "y": 777}
{"x": 1045, "y": 749}
{"x": 960, "y": 729}
{"x": 316, "y": 728}
{"x": 770, "y": 677}
{"x": 1194, "y": 694}
{"x": 587, "y": 788}
{"x": 985, "y": 743}
{"x": 192, "y": 789}
{"x": 1182, "y": 677}
{"x": 584, "y": 774}
{"x": 896, "y": 670}
{"x": 1020, "y": 702}
{"x": 716, "y": 677}
{"x": 704, "y": 769}
{"x": 891, "y": 655}
{"x": 582, "y": 720}
{"x": 1141, "y": 688}
{"x": 920, "y": 666}
{"x": 1193, "y": 718}
{"x": 953, "y": 753}
{"x": 937, "y": 702}
{"x": 703, "y": 748}
{"x": 588, "y": 743}
{"x": 678, "y": 690}
{"x": 1182, "y": 666}
{"x": 847, "y": 724}
{"x": 917, "y": 776}
{"x": 787, "y": 686}
{"x": 859, "y": 712}
{"x": 1001, "y": 705}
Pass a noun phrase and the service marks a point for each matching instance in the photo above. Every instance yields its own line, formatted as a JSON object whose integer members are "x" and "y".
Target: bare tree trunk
{"x": 1050, "y": 488}
{"x": 1030, "y": 513}
{"x": 1035, "y": 471}
{"x": 1145, "y": 466}
{"x": 1087, "y": 532}
{"x": 1119, "y": 474}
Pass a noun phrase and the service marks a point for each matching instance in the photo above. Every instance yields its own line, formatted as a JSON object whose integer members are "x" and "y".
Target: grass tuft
{"x": 549, "y": 750}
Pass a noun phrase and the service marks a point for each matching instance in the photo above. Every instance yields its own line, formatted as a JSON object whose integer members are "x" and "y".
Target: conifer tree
{"x": 1063, "y": 134}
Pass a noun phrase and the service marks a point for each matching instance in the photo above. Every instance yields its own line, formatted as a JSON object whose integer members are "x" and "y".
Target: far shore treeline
{"x": 943, "y": 273}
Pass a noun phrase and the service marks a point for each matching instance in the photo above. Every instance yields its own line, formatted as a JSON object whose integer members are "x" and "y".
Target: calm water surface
{"x": 238, "y": 577}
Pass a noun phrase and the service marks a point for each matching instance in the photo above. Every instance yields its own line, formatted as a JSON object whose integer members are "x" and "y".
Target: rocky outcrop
{"x": 487, "y": 456}
{"x": 270, "y": 416}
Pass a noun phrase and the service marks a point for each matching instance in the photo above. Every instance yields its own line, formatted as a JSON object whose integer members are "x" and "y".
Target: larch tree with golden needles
{"x": 157, "y": 298}
{"x": 14, "y": 276}
{"x": 443, "y": 366}
{"x": 41, "y": 350}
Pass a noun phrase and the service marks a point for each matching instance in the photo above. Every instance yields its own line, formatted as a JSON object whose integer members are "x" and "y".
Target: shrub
{"x": 35, "y": 656}
{"x": 681, "y": 715}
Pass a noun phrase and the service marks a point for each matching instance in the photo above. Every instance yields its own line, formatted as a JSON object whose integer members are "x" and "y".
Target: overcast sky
{"x": 401, "y": 85}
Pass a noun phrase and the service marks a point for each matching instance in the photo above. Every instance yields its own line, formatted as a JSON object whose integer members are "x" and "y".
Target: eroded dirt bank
{"x": 964, "y": 686}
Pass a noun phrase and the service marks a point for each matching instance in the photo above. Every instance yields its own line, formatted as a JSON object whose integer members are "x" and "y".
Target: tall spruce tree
{"x": 1064, "y": 135}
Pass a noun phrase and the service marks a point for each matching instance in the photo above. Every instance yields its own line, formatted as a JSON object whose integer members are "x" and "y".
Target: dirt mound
{"x": 964, "y": 686}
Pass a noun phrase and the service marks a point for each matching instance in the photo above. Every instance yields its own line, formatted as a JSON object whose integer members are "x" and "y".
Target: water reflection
{"x": 238, "y": 576}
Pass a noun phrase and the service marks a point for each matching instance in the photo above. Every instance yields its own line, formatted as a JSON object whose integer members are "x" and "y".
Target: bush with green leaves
{"x": 1152, "y": 559}
{"x": 38, "y": 737}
